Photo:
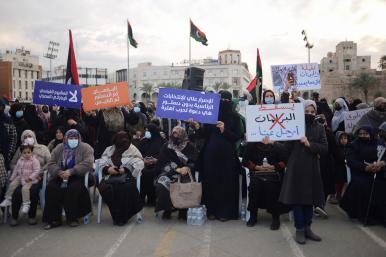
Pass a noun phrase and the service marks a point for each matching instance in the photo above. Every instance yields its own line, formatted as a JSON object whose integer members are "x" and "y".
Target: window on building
{"x": 37, "y": 74}
{"x": 26, "y": 85}
{"x": 330, "y": 70}
{"x": 14, "y": 94}
{"x": 363, "y": 59}
{"x": 347, "y": 60}
{"x": 144, "y": 74}
{"x": 20, "y": 94}
{"x": 32, "y": 85}
{"x": 20, "y": 84}
{"x": 25, "y": 74}
{"x": 330, "y": 61}
{"x": 347, "y": 67}
{"x": 26, "y": 95}
{"x": 19, "y": 73}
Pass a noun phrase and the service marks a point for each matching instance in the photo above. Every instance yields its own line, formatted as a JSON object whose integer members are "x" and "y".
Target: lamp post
{"x": 51, "y": 54}
{"x": 308, "y": 44}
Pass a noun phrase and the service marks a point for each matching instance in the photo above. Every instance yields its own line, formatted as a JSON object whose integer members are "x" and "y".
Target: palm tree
{"x": 221, "y": 86}
{"x": 364, "y": 82}
{"x": 170, "y": 85}
{"x": 147, "y": 88}
{"x": 382, "y": 63}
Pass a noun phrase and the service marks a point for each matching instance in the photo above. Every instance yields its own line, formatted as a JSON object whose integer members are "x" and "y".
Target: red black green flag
{"x": 131, "y": 39}
{"x": 72, "y": 71}
{"x": 255, "y": 87}
{"x": 197, "y": 34}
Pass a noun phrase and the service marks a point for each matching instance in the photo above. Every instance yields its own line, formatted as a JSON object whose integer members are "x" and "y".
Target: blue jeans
{"x": 302, "y": 215}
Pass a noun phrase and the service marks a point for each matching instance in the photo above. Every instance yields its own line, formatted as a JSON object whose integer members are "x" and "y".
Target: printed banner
{"x": 186, "y": 104}
{"x": 303, "y": 76}
{"x": 105, "y": 96}
{"x": 51, "y": 94}
{"x": 282, "y": 122}
{"x": 352, "y": 118}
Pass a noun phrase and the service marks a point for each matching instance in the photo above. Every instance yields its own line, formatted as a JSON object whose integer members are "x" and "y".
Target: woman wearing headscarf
{"x": 35, "y": 123}
{"x": 59, "y": 136}
{"x": 219, "y": 164}
{"x": 17, "y": 115}
{"x": 176, "y": 157}
{"x": 121, "y": 163}
{"x": 362, "y": 159}
{"x": 340, "y": 107}
{"x": 69, "y": 163}
{"x": 150, "y": 147}
{"x": 43, "y": 155}
{"x": 302, "y": 183}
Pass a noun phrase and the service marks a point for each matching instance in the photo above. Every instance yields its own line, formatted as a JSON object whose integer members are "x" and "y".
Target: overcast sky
{"x": 162, "y": 29}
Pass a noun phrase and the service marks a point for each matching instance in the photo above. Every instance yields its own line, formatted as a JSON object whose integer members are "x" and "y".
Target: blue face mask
{"x": 269, "y": 100}
{"x": 73, "y": 143}
{"x": 137, "y": 109}
{"x": 147, "y": 134}
{"x": 19, "y": 114}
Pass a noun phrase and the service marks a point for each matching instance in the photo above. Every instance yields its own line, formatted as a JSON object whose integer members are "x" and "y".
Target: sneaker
{"x": 25, "y": 208}
{"x": 7, "y": 202}
{"x": 321, "y": 213}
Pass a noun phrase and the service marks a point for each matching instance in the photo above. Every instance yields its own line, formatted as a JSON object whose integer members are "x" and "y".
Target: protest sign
{"x": 303, "y": 76}
{"x": 186, "y": 104}
{"x": 282, "y": 122}
{"x": 105, "y": 96}
{"x": 352, "y": 118}
{"x": 51, "y": 94}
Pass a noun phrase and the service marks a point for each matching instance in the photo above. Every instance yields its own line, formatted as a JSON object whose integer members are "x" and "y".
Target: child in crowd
{"x": 26, "y": 173}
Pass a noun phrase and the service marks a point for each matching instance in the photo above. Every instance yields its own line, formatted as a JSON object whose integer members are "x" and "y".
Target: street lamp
{"x": 52, "y": 54}
{"x": 308, "y": 44}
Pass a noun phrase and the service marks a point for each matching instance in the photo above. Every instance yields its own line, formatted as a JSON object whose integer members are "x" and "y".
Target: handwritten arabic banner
{"x": 303, "y": 76}
{"x": 186, "y": 104}
{"x": 51, "y": 94}
{"x": 352, "y": 118}
{"x": 282, "y": 122}
{"x": 105, "y": 96}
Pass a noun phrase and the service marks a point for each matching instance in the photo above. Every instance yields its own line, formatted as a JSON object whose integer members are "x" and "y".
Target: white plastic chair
{"x": 139, "y": 218}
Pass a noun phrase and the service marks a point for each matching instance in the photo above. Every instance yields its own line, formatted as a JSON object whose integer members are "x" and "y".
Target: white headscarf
{"x": 339, "y": 115}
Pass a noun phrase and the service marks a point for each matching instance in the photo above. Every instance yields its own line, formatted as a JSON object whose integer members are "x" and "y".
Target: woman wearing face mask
{"x": 69, "y": 163}
{"x": 219, "y": 164}
{"x": 17, "y": 115}
{"x": 121, "y": 160}
{"x": 150, "y": 147}
{"x": 176, "y": 157}
{"x": 362, "y": 158}
{"x": 302, "y": 184}
{"x": 340, "y": 107}
{"x": 268, "y": 97}
{"x": 43, "y": 155}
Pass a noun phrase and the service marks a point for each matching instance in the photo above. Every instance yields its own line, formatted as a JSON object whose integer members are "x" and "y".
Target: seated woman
{"x": 70, "y": 161}
{"x": 150, "y": 146}
{"x": 120, "y": 164}
{"x": 43, "y": 155}
{"x": 265, "y": 183}
{"x": 59, "y": 135}
{"x": 362, "y": 158}
{"x": 175, "y": 157}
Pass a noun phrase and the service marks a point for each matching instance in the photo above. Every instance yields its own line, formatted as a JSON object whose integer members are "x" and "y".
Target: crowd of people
{"x": 301, "y": 175}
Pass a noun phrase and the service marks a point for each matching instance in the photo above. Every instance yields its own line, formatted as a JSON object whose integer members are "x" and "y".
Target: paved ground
{"x": 173, "y": 238}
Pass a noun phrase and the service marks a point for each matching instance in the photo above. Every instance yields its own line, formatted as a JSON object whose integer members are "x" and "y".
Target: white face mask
{"x": 6, "y": 110}
{"x": 29, "y": 141}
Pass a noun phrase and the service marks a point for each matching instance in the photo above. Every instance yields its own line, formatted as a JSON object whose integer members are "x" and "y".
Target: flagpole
{"x": 128, "y": 56}
{"x": 190, "y": 44}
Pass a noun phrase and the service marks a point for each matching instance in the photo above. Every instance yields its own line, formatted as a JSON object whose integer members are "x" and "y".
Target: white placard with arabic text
{"x": 281, "y": 122}
{"x": 352, "y": 118}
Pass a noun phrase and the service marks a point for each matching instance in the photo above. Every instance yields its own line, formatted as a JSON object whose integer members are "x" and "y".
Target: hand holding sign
{"x": 220, "y": 125}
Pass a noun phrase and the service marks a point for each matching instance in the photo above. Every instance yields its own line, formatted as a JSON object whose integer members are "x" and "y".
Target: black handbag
{"x": 266, "y": 176}
{"x": 116, "y": 179}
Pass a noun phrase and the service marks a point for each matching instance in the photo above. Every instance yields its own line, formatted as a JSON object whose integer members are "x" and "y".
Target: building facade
{"x": 18, "y": 72}
{"x": 339, "y": 69}
{"x": 227, "y": 69}
{"x": 87, "y": 76}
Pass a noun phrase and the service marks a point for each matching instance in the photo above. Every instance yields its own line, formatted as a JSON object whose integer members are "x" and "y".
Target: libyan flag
{"x": 255, "y": 87}
{"x": 131, "y": 39}
{"x": 72, "y": 70}
{"x": 197, "y": 34}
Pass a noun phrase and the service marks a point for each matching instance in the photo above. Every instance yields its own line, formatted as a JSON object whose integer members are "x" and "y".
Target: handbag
{"x": 185, "y": 195}
{"x": 115, "y": 179}
{"x": 266, "y": 176}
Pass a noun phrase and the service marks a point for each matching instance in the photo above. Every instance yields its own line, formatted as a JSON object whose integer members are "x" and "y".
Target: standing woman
{"x": 70, "y": 161}
{"x": 220, "y": 165}
{"x": 302, "y": 185}
{"x": 121, "y": 163}
{"x": 340, "y": 108}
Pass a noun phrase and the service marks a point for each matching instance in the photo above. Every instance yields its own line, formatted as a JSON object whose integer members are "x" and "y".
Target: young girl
{"x": 25, "y": 173}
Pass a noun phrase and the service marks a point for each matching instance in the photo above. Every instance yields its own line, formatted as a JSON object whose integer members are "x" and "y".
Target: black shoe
{"x": 73, "y": 224}
{"x": 300, "y": 237}
{"x": 275, "y": 225}
{"x": 52, "y": 225}
{"x": 182, "y": 214}
{"x": 223, "y": 219}
{"x": 211, "y": 217}
{"x": 167, "y": 215}
{"x": 311, "y": 235}
{"x": 252, "y": 220}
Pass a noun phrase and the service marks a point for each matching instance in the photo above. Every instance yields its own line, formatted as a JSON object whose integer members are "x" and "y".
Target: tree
{"x": 218, "y": 86}
{"x": 364, "y": 82}
{"x": 170, "y": 85}
{"x": 382, "y": 63}
{"x": 147, "y": 88}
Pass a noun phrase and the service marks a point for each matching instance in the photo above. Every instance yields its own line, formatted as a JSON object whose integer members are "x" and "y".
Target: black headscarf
{"x": 225, "y": 105}
{"x": 122, "y": 142}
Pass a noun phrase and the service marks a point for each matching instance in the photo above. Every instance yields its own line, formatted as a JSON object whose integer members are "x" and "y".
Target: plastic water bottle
{"x": 265, "y": 161}
{"x": 64, "y": 184}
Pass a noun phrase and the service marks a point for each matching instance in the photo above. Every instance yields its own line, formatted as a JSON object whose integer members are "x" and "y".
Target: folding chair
{"x": 139, "y": 218}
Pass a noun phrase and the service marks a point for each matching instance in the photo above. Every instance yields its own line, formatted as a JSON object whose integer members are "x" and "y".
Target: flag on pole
{"x": 197, "y": 34}
{"x": 255, "y": 87}
{"x": 72, "y": 71}
{"x": 131, "y": 39}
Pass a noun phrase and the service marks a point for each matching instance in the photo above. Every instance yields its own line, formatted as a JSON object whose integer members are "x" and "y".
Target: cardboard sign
{"x": 303, "y": 76}
{"x": 282, "y": 122}
{"x": 352, "y": 118}
{"x": 51, "y": 94}
{"x": 187, "y": 104}
{"x": 105, "y": 96}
